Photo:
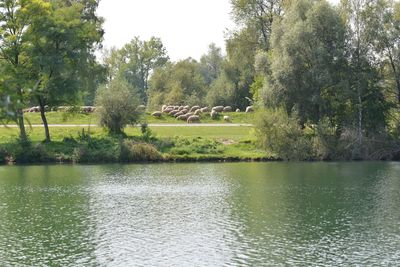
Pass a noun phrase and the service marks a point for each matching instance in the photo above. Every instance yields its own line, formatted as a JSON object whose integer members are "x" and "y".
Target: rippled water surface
{"x": 239, "y": 214}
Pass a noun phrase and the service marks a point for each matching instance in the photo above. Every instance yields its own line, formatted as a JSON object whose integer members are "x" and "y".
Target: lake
{"x": 233, "y": 214}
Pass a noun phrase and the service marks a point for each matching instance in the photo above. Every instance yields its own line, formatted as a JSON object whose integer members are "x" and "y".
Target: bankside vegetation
{"x": 324, "y": 79}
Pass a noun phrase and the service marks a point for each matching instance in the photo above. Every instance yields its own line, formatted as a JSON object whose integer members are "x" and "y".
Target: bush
{"x": 118, "y": 106}
{"x": 92, "y": 150}
{"x": 87, "y": 154}
{"x": 282, "y": 135}
{"x": 3, "y": 155}
{"x": 325, "y": 141}
{"x": 134, "y": 152}
{"x": 26, "y": 152}
{"x": 371, "y": 146}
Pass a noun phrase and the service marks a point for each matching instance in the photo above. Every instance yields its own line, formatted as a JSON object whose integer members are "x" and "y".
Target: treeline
{"x": 329, "y": 78}
{"x": 324, "y": 77}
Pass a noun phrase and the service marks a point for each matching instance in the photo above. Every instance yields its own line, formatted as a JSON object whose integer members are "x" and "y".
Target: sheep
{"x": 62, "y": 108}
{"x": 164, "y": 107}
{"x": 173, "y": 112}
{"x": 204, "y": 110}
{"x": 140, "y": 108}
{"x": 86, "y": 109}
{"x": 218, "y": 108}
{"x": 167, "y": 110}
{"x": 184, "y": 111}
{"x": 186, "y": 107}
{"x": 227, "y": 109}
{"x": 178, "y": 114}
{"x": 227, "y": 118}
{"x": 237, "y": 110}
{"x": 249, "y": 109}
{"x": 183, "y": 117}
{"x": 34, "y": 109}
{"x": 214, "y": 114}
{"x": 197, "y": 112}
{"x": 194, "y": 108}
{"x": 193, "y": 119}
{"x": 157, "y": 114}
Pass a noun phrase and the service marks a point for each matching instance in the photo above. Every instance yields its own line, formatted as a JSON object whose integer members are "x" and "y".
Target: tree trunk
{"x": 20, "y": 118}
{"x": 44, "y": 119}
{"x": 395, "y": 73}
{"x": 21, "y": 125}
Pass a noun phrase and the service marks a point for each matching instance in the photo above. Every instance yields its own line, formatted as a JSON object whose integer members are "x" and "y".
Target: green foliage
{"x": 258, "y": 14}
{"x": 132, "y": 151}
{"x": 177, "y": 84}
{"x": 281, "y": 134}
{"x": 96, "y": 151}
{"x": 3, "y": 155}
{"x": 118, "y": 106}
{"x": 211, "y": 64}
{"x": 310, "y": 80}
{"x": 135, "y": 62}
{"x": 47, "y": 52}
{"x": 23, "y": 151}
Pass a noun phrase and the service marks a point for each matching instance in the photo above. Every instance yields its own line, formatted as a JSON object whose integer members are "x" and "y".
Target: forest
{"x": 324, "y": 79}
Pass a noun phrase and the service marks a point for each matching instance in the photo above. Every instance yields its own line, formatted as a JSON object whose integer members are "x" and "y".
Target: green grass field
{"x": 78, "y": 118}
{"x": 36, "y": 134}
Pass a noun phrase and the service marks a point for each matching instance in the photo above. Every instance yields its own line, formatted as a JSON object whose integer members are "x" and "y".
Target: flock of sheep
{"x": 193, "y": 114}
{"x": 84, "y": 109}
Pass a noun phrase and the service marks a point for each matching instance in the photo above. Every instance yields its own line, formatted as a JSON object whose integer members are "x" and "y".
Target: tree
{"x": 63, "y": 41}
{"x": 118, "y": 106}
{"x": 15, "y": 19}
{"x": 178, "y": 83}
{"x": 136, "y": 61}
{"x": 259, "y": 15}
{"x": 383, "y": 25}
{"x": 308, "y": 61}
{"x": 211, "y": 63}
{"x": 365, "y": 77}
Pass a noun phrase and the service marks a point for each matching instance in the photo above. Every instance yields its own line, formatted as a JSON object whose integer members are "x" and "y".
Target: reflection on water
{"x": 240, "y": 214}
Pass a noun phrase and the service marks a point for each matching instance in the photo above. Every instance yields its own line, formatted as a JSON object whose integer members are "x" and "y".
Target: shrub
{"x": 118, "y": 106}
{"x": 26, "y": 152}
{"x": 282, "y": 135}
{"x": 93, "y": 150}
{"x": 147, "y": 134}
{"x": 134, "y": 152}
{"x": 89, "y": 155}
{"x": 3, "y": 155}
{"x": 325, "y": 141}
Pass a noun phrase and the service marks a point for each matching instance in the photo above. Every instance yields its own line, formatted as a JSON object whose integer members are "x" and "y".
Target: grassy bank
{"x": 94, "y": 145}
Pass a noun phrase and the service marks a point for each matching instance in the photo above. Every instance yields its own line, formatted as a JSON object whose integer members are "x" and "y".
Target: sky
{"x": 186, "y": 27}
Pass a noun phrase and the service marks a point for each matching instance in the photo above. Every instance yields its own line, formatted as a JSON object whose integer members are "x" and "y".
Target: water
{"x": 239, "y": 214}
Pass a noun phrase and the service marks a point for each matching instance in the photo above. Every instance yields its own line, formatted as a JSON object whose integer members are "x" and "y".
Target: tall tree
{"x": 136, "y": 61}
{"x": 258, "y": 14}
{"x": 365, "y": 78}
{"x": 308, "y": 61}
{"x": 176, "y": 84}
{"x": 15, "y": 18}
{"x": 211, "y": 63}
{"x": 63, "y": 41}
{"x": 383, "y": 19}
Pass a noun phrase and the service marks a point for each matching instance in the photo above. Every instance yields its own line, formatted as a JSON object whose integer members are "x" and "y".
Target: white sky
{"x": 186, "y": 27}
